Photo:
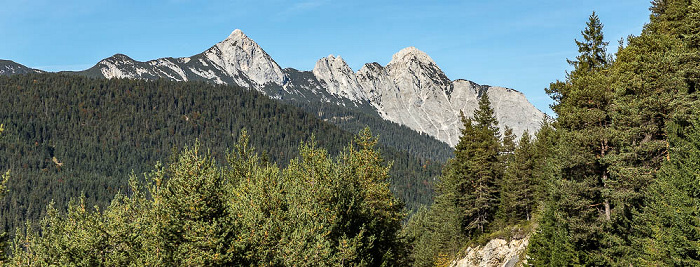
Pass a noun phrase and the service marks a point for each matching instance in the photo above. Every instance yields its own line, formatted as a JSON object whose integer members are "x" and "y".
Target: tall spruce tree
{"x": 585, "y": 188}
{"x": 518, "y": 186}
{"x": 477, "y": 168}
{"x": 592, "y": 50}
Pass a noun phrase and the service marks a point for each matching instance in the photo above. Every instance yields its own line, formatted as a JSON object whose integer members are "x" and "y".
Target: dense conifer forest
{"x": 612, "y": 180}
{"x": 67, "y": 135}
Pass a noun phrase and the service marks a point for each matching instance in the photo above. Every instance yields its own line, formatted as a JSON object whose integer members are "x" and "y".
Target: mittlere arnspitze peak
{"x": 410, "y": 90}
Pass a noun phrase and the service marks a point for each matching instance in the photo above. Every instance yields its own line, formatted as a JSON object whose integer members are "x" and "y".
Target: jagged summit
{"x": 411, "y": 54}
{"x": 410, "y": 90}
{"x": 241, "y": 57}
{"x": 338, "y": 77}
{"x": 235, "y": 60}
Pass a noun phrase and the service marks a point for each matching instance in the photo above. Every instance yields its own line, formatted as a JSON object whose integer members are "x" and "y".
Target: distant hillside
{"x": 66, "y": 134}
{"x": 8, "y": 67}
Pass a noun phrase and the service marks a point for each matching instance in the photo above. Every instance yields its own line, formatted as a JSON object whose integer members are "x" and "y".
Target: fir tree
{"x": 518, "y": 186}
{"x": 477, "y": 168}
{"x": 592, "y": 50}
{"x": 585, "y": 189}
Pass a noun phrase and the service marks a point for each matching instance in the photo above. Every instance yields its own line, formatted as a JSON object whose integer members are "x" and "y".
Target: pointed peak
{"x": 237, "y": 34}
{"x": 333, "y": 60}
{"x": 411, "y": 53}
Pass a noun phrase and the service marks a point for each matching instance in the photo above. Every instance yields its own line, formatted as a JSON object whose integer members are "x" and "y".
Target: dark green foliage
{"x": 670, "y": 222}
{"x": 615, "y": 195}
{"x": 518, "y": 187}
{"x": 317, "y": 211}
{"x": 551, "y": 244}
{"x": 66, "y": 134}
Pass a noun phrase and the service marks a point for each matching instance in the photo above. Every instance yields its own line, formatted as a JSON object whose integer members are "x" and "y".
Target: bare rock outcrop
{"x": 497, "y": 252}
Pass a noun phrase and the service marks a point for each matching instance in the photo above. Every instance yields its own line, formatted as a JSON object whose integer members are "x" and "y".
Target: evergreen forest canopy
{"x": 612, "y": 181}
{"x": 67, "y": 135}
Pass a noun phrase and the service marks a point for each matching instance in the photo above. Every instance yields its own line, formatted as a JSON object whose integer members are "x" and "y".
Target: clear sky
{"x": 517, "y": 44}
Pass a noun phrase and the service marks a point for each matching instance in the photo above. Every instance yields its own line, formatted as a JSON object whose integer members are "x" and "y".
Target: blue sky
{"x": 516, "y": 44}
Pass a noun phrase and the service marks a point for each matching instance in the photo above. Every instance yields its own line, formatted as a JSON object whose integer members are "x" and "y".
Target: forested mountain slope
{"x": 66, "y": 134}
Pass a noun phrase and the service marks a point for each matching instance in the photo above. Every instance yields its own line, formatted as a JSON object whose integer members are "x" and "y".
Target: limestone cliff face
{"x": 496, "y": 252}
{"x": 413, "y": 91}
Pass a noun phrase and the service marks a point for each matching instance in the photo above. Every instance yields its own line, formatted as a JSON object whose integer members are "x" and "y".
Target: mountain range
{"x": 410, "y": 90}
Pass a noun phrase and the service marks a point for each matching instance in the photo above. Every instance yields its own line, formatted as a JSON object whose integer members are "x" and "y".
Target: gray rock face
{"x": 235, "y": 60}
{"x": 239, "y": 55}
{"x": 496, "y": 252}
{"x": 411, "y": 90}
{"x": 337, "y": 77}
{"x": 8, "y": 67}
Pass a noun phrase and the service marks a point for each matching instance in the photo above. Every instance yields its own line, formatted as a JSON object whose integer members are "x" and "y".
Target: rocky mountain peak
{"x": 237, "y": 34}
{"x": 120, "y": 57}
{"x": 117, "y": 59}
{"x": 240, "y": 56}
{"x": 412, "y": 68}
{"x": 411, "y": 54}
{"x": 332, "y": 63}
{"x": 338, "y": 77}
{"x": 411, "y": 90}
